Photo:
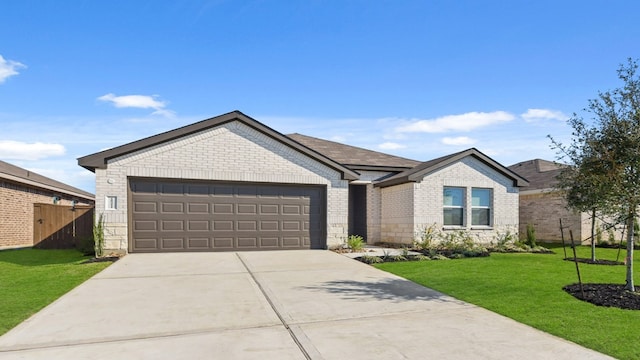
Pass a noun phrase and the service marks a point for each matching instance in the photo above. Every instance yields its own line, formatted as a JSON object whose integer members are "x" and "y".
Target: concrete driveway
{"x": 268, "y": 305}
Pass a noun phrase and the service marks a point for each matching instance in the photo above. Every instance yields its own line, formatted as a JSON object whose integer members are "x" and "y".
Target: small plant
{"x": 98, "y": 236}
{"x": 439, "y": 257}
{"x": 355, "y": 243}
{"x": 426, "y": 238}
{"x": 368, "y": 259}
{"x": 531, "y": 236}
{"x": 611, "y": 236}
{"x": 86, "y": 245}
{"x": 420, "y": 257}
{"x": 598, "y": 235}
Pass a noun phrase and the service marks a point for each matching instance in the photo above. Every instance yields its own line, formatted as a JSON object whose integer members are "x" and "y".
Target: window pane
{"x": 480, "y": 217}
{"x": 453, "y": 216}
{"x": 481, "y": 197}
{"x": 453, "y": 196}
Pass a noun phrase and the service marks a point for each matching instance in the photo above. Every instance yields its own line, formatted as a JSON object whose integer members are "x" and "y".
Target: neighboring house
{"x": 232, "y": 183}
{"x": 20, "y": 189}
{"x": 542, "y": 205}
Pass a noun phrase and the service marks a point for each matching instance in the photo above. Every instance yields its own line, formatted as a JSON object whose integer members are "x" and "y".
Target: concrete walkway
{"x": 268, "y": 305}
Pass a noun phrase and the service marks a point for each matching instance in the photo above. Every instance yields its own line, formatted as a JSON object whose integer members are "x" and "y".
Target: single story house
{"x": 233, "y": 183}
{"x": 20, "y": 190}
{"x": 542, "y": 205}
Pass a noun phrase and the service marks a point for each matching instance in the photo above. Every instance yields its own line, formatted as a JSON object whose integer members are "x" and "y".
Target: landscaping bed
{"x": 610, "y": 295}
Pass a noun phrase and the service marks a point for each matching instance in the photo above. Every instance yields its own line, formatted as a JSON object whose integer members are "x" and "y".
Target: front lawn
{"x": 528, "y": 288}
{"x": 31, "y": 279}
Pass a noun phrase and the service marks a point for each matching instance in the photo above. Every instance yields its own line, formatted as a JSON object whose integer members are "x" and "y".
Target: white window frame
{"x": 483, "y": 207}
{"x": 461, "y": 207}
{"x": 111, "y": 202}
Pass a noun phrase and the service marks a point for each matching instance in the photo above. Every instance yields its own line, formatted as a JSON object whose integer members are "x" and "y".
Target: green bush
{"x": 355, "y": 243}
{"x": 86, "y": 245}
{"x": 98, "y": 236}
{"x": 531, "y": 236}
{"x": 368, "y": 259}
{"x": 426, "y": 238}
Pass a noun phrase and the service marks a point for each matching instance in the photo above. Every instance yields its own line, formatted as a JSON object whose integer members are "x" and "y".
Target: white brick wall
{"x": 411, "y": 207}
{"x": 230, "y": 152}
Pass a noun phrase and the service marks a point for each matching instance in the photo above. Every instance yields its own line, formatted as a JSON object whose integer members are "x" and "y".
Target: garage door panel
{"x": 223, "y": 209}
{"x": 247, "y": 242}
{"x": 198, "y": 243}
{"x": 222, "y": 225}
{"x": 168, "y": 207}
{"x": 198, "y": 225}
{"x": 146, "y": 244}
{"x": 201, "y": 216}
{"x": 173, "y": 243}
{"x": 145, "y": 207}
{"x": 172, "y": 225}
{"x": 145, "y": 225}
{"x": 198, "y": 208}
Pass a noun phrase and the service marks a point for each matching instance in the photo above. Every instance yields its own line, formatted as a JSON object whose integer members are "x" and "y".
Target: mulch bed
{"x": 101, "y": 259}
{"x": 595, "y": 262}
{"x": 610, "y": 295}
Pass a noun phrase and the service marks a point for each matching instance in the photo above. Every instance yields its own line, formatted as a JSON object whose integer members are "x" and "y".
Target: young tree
{"x": 605, "y": 156}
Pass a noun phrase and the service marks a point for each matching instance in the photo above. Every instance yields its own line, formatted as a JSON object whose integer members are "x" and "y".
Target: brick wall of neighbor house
{"x": 16, "y": 211}
{"x": 230, "y": 152}
{"x": 467, "y": 173}
{"x": 545, "y": 209}
{"x": 397, "y": 221}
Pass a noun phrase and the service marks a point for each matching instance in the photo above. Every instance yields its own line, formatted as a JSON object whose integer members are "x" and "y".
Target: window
{"x": 111, "y": 203}
{"x": 481, "y": 207}
{"x": 453, "y": 204}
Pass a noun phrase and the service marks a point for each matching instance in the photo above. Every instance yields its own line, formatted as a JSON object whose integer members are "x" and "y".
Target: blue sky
{"x": 418, "y": 79}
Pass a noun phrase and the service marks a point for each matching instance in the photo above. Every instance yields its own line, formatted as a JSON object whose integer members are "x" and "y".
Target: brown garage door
{"x": 168, "y": 216}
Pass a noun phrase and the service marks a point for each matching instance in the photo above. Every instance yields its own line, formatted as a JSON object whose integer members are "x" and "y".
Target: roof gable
{"x": 417, "y": 173}
{"x": 99, "y": 160}
{"x": 541, "y": 174}
{"x": 20, "y": 175}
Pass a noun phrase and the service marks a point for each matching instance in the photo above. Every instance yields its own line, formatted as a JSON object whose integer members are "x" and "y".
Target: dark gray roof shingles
{"x": 18, "y": 172}
{"x": 542, "y": 174}
{"x": 353, "y": 156}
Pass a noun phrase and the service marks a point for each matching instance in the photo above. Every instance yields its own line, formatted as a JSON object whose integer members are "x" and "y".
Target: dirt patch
{"x": 610, "y": 295}
{"x": 596, "y": 261}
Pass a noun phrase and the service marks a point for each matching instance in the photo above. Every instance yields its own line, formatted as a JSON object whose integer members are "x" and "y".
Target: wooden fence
{"x": 61, "y": 227}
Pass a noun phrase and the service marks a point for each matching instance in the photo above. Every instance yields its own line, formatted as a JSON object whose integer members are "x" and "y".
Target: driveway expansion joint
{"x": 275, "y": 310}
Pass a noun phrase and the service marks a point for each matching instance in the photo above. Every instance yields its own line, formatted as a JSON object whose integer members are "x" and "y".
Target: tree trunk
{"x": 629, "y": 260}
{"x": 593, "y": 235}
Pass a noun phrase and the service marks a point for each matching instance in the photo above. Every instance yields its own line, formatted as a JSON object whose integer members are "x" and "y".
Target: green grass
{"x": 31, "y": 279}
{"x": 528, "y": 288}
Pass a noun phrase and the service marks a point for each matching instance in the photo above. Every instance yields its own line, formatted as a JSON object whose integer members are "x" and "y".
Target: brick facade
{"x": 544, "y": 209}
{"x": 229, "y": 152}
{"x": 409, "y": 208}
{"x": 16, "y": 211}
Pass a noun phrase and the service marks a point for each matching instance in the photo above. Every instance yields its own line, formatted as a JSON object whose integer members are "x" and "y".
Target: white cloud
{"x": 543, "y": 114}
{"x": 9, "y": 68}
{"x": 462, "y": 122}
{"x": 140, "y": 102}
{"x": 338, "y": 138}
{"x": 29, "y": 151}
{"x": 460, "y": 140}
{"x": 391, "y": 146}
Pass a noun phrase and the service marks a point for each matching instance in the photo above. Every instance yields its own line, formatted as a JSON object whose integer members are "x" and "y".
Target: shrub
{"x": 98, "y": 236}
{"x": 355, "y": 243}
{"x": 368, "y": 259}
{"x": 86, "y": 245}
{"x": 531, "y": 236}
{"x": 426, "y": 238}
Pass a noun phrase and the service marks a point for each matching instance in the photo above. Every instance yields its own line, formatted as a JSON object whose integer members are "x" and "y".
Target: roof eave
{"x": 100, "y": 160}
